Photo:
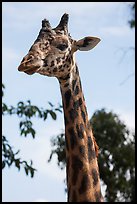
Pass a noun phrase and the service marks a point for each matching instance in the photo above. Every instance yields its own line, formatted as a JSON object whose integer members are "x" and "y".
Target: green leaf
{"x": 29, "y": 102}
{"x": 17, "y": 152}
{"x": 31, "y": 162}
{"x": 53, "y": 115}
{"x": 4, "y": 107}
{"x": 32, "y": 132}
{"x": 22, "y": 132}
{"x": 3, "y": 164}
{"x": 21, "y": 123}
{"x": 45, "y": 115}
{"x": 51, "y": 104}
{"x": 40, "y": 113}
{"x": 20, "y": 104}
{"x": 17, "y": 163}
{"x": 57, "y": 109}
{"x": 31, "y": 172}
{"x": 26, "y": 170}
{"x": 3, "y": 87}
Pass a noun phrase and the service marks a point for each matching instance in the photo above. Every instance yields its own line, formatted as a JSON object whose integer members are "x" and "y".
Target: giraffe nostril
{"x": 23, "y": 59}
{"x": 30, "y": 57}
{"x": 27, "y": 58}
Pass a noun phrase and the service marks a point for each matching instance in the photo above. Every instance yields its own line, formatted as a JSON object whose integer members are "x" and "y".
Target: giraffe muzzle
{"x": 27, "y": 69}
{"x": 29, "y": 64}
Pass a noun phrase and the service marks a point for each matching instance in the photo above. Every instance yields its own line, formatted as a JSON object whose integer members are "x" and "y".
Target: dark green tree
{"x": 132, "y": 20}
{"x": 116, "y": 158}
{"x": 26, "y": 112}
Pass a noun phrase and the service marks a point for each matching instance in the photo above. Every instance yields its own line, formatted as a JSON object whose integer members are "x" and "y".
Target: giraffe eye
{"x": 62, "y": 47}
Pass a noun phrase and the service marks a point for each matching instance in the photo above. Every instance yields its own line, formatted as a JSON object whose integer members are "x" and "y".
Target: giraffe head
{"x": 52, "y": 53}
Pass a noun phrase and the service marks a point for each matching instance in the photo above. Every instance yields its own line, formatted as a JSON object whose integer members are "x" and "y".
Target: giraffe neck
{"x": 82, "y": 169}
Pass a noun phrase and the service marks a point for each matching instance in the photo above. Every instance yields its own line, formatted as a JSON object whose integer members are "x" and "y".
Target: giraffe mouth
{"x": 28, "y": 70}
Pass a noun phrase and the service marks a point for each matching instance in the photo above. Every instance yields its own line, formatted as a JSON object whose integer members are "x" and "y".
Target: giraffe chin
{"x": 29, "y": 70}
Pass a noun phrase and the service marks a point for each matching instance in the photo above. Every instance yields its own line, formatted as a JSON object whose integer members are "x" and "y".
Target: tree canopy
{"x": 116, "y": 158}
{"x": 117, "y": 155}
{"x": 132, "y": 20}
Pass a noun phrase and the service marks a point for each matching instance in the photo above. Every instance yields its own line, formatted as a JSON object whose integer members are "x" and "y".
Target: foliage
{"x": 58, "y": 145}
{"x": 116, "y": 157}
{"x": 26, "y": 112}
{"x": 9, "y": 158}
{"x": 132, "y": 20}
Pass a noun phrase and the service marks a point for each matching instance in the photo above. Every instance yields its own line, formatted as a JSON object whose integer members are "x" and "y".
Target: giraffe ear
{"x": 86, "y": 43}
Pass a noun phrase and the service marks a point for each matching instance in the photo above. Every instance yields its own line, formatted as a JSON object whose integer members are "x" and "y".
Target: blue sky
{"x": 103, "y": 71}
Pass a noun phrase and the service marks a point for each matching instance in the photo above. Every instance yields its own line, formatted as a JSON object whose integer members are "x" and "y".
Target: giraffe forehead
{"x": 53, "y": 36}
{"x": 60, "y": 39}
{"x": 49, "y": 42}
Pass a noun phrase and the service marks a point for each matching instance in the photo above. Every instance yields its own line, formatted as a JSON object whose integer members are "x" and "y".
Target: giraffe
{"x": 53, "y": 55}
